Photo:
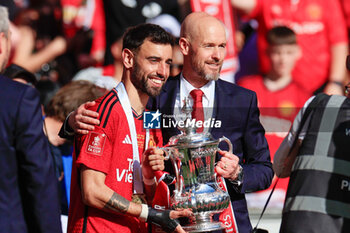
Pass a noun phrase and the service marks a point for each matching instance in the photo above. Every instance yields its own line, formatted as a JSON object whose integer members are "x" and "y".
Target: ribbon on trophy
{"x": 227, "y": 217}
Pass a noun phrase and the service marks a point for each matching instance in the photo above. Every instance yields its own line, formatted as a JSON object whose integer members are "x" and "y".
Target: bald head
{"x": 203, "y": 44}
{"x": 198, "y": 23}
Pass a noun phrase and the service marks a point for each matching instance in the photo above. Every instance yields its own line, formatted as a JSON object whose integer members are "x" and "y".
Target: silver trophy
{"x": 193, "y": 158}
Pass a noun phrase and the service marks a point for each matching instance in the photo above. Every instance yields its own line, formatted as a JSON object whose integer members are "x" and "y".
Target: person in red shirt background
{"x": 324, "y": 46}
{"x": 279, "y": 100}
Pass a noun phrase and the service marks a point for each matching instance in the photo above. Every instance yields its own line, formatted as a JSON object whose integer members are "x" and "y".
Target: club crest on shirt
{"x": 96, "y": 143}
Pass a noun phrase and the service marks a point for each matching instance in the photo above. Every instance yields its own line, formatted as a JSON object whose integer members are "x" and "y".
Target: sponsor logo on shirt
{"x": 95, "y": 143}
{"x": 125, "y": 175}
{"x": 127, "y": 140}
{"x": 304, "y": 28}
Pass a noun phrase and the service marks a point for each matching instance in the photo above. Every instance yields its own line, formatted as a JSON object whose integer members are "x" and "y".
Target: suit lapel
{"x": 167, "y": 102}
{"x": 221, "y": 94}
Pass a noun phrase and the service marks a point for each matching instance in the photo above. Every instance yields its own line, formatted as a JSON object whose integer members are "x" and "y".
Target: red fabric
{"x": 277, "y": 112}
{"x": 197, "y": 112}
{"x": 346, "y": 9}
{"x": 227, "y": 217}
{"x": 98, "y": 25}
{"x": 108, "y": 70}
{"x": 112, "y": 154}
{"x": 76, "y": 15}
{"x": 319, "y": 24}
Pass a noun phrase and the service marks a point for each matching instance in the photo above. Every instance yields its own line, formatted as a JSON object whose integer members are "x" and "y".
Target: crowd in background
{"x": 60, "y": 41}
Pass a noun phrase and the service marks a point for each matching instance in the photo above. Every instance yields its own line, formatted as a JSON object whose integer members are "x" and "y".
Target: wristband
{"x": 162, "y": 219}
{"x": 144, "y": 213}
{"x": 149, "y": 181}
{"x": 66, "y": 127}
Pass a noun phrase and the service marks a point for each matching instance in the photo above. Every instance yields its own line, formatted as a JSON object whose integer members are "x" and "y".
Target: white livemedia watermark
{"x": 190, "y": 123}
{"x": 156, "y": 120}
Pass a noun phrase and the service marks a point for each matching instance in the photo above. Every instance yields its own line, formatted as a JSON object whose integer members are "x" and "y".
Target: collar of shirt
{"x": 208, "y": 90}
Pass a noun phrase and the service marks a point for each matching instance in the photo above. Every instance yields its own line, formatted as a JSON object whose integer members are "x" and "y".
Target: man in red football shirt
{"x": 321, "y": 33}
{"x": 107, "y": 188}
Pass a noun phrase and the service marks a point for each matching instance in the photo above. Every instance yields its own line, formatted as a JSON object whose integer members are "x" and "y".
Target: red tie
{"x": 197, "y": 112}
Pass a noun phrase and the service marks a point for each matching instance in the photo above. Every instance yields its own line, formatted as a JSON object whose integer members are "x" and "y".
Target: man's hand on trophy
{"x": 152, "y": 160}
{"x": 166, "y": 219}
{"x": 228, "y": 166}
{"x": 83, "y": 120}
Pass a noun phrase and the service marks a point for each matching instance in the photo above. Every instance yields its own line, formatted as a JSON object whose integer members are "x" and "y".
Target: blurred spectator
{"x": 28, "y": 189}
{"x": 168, "y": 22}
{"x": 324, "y": 45}
{"x": 346, "y": 9}
{"x": 19, "y": 74}
{"x": 47, "y": 90}
{"x": 66, "y": 100}
{"x": 82, "y": 15}
{"x": 279, "y": 99}
{"x": 41, "y": 40}
{"x": 11, "y": 6}
{"x": 107, "y": 76}
{"x": 43, "y": 48}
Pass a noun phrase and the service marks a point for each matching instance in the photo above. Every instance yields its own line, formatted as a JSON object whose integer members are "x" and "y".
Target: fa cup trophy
{"x": 193, "y": 158}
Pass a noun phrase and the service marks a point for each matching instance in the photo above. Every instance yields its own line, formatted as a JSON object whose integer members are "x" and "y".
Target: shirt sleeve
{"x": 286, "y": 145}
{"x": 95, "y": 151}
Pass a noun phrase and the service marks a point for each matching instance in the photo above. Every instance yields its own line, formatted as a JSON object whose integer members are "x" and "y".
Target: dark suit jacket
{"x": 28, "y": 187}
{"x": 236, "y": 108}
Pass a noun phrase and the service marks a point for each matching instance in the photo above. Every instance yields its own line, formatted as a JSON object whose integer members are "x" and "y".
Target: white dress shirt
{"x": 207, "y": 100}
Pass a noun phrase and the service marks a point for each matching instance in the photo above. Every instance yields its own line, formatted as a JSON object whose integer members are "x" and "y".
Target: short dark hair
{"x": 281, "y": 35}
{"x": 135, "y": 36}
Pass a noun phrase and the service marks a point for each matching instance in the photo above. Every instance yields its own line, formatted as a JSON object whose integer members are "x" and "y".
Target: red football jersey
{"x": 108, "y": 149}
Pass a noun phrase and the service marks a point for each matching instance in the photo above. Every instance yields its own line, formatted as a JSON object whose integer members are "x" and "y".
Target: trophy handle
{"x": 225, "y": 139}
{"x": 171, "y": 153}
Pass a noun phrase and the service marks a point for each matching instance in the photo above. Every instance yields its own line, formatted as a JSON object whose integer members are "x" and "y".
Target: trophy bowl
{"x": 193, "y": 158}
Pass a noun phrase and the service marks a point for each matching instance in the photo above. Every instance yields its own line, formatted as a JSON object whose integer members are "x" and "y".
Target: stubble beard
{"x": 200, "y": 70}
{"x": 140, "y": 82}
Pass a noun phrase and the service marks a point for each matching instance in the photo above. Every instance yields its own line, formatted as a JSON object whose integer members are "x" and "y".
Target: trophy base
{"x": 204, "y": 227}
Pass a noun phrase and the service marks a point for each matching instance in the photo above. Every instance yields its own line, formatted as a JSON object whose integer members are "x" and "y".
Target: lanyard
{"x": 137, "y": 172}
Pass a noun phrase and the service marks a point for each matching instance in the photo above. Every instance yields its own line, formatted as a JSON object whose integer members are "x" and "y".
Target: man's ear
{"x": 184, "y": 45}
{"x": 128, "y": 58}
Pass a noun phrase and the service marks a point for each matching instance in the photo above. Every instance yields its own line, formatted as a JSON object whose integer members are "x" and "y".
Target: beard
{"x": 199, "y": 68}
{"x": 141, "y": 82}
